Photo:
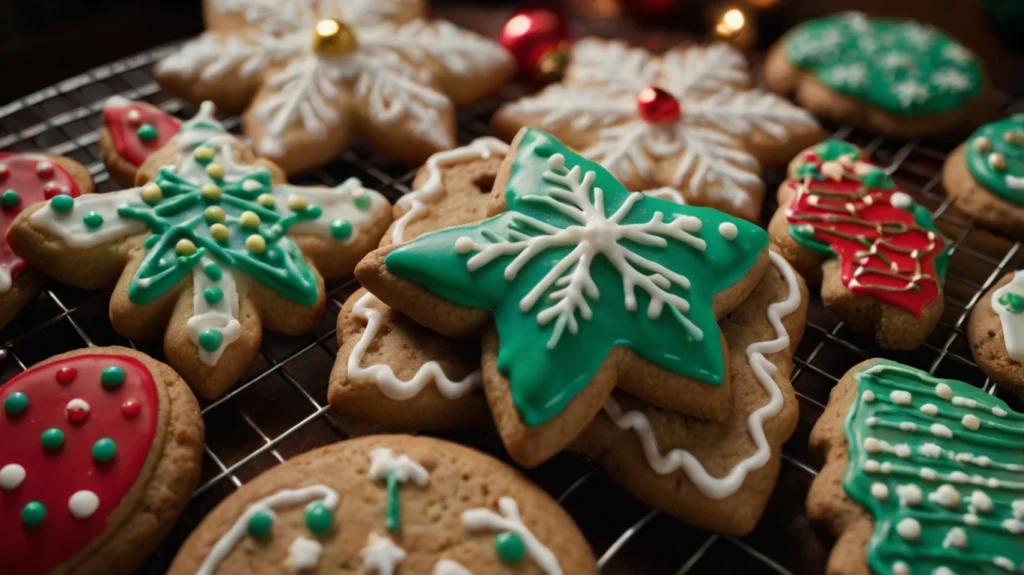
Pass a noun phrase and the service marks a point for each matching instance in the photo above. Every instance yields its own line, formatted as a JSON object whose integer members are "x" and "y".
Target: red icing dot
{"x": 810, "y": 157}
{"x": 130, "y": 409}
{"x": 77, "y": 410}
{"x": 66, "y": 375}
{"x": 44, "y": 170}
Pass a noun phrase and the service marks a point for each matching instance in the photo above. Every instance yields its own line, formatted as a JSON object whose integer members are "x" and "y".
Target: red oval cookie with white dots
{"x": 101, "y": 450}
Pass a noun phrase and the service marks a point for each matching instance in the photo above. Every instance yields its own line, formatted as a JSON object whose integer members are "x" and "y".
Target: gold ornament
{"x": 997, "y": 161}
{"x": 332, "y": 38}
{"x": 983, "y": 145}
{"x": 734, "y": 24}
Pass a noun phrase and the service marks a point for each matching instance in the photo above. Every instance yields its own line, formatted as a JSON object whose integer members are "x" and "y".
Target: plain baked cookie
{"x": 313, "y": 75}
{"x": 898, "y": 78}
{"x": 995, "y": 332}
{"x": 101, "y": 450}
{"x": 209, "y": 251}
{"x": 879, "y": 258}
{"x": 921, "y": 475}
{"x": 717, "y": 475}
{"x": 383, "y": 505}
{"x": 27, "y": 179}
{"x": 688, "y": 119}
{"x": 985, "y": 176}
{"x": 131, "y": 133}
{"x": 587, "y": 283}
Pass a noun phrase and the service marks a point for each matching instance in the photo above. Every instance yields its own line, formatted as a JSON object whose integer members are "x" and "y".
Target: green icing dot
{"x": 260, "y": 524}
{"x": 104, "y": 449}
{"x": 213, "y": 294}
{"x": 211, "y": 339}
{"x": 16, "y": 403}
{"x": 363, "y": 201}
{"x": 150, "y": 242}
{"x": 877, "y": 179}
{"x": 318, "y": 518}
{"x": 53, "y": 438}
{"x": 10, "y": 198}
{"x": 1013, "y": 301}
{"x": 62, "y": 203}
{"x": 147, "y": 132}
{"x": 112, "y": 376}
{"x": 510, "y": 547}
{"x": 341, "y": 229}
{"x": 33, "y": 513}
{"x": 213, "y": 271}
{"x": 92, "y": 220}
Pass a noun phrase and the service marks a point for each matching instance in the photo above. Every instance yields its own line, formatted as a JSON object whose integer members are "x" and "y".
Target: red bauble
{"x": 656, "y": 106}
{"x": 538, "y": 38}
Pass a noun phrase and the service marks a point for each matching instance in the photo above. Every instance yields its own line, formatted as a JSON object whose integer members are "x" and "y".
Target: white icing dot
{"x": 971, "y": 519}
{"x": 11, "y": 476}
{"x": 909, "y": 529}
{"x": 977, "y": 480}
{"x": 907, "y": 426}
{"x": 868, "y": 396}
{"x": 900, "y": 200}
{"x": 965, "y": 402}
{"x": 944, "y": 391}
{"x": 981, "y": 502}
{"x": 1014, "y": 526}
{"x": 464, "y": 245}
{"x": 900, "y": 568}
{"x": 728, "y": 230}
{"x": 83, "y": 504}
{"x": 909, "y": 494}
{"x": 943, "y": 571}
{"x": 903, "y": 450}
{"x": 963, "y": 457}
{"x": 76, "y": 404}
{"x": 872, "y": 445}
{"x": 971, "y": 421}
{"x": 1018, "y": 508}
{"x": 871, "y": 421}
{"x": 134, "y": 117}
{"x": 946, "y": 495}
{"x": 886, "y": 467}
{"x": 303, "y": 554}
{"x": 955, "y": 537}
{"x": 251, "y": 185}
{"x": 959, "y": 477}
{"x": 871, "y": 466}
{"x": 998, "y": 411}
{"x": 929, "y": 409}
{"x": 879, "y": 491}
{"x": 900, "y": 397}
{"x": 43, "y": 167}
{"x": 928, "y": 474}
{"x": 1004, "y": 563}
{"x": 992, "y": 482}
{"x": 939, "y": 430}
{"x": 983, "y": 461}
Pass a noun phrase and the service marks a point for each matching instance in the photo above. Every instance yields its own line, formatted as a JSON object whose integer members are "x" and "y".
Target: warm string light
{"x": 735, "y": 24}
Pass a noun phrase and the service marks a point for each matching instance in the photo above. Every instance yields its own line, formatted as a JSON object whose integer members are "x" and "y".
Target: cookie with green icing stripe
{"x": 921, "y": 475}
{"x": 899, "y": 78}
{"x": 995, "y": 332}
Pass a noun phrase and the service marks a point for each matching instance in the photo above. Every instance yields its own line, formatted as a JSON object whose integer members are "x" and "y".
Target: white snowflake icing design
{"x": 704, "y": 145}
{"x": 910, "y": 92}
{"x": 957, "y": 53}
{"x": 895, "y": 60}
{"x": 381, "y": 555}
{"x": 950, "y": 80}
{"x": 395, "y": 67}
{"x": 853, "y": 75}
{"x": 920, "y": 36}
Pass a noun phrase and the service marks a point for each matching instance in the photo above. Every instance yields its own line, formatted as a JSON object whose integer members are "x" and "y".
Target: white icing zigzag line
{"x": 415, "y": 202}
{"x": 482, "y": 518}
{"x": 715, "y": 487}
{"x": 384, "y": 376}
{"x": 1012, "y": 323}
{"x": 283, "y": 498}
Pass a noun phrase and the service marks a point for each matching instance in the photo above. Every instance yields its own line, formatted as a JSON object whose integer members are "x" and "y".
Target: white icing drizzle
{"x": 304, "y": 554}
{"x": 71, "y": 228}
{"x": 383, "y": 463}
{"x": 221, "y": 316}
{"x": 666, "y": 193}
{"x": 11, "y": 476}
{"x": 415, "y": 202}
{"x": 381, "y": 555}
{"x": 1012, "y": 323}
{"x": 680, "y": 459}
{"x": 337, "y": 203}
{"x": 481, "y": 519}
{"x": 83, "y": 504}
{"x": 283, "y": 498}
{"x": 381, "y": 374}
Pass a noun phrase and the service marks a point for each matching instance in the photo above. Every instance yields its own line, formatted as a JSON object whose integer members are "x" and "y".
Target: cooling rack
{"x": 279, "y": 408}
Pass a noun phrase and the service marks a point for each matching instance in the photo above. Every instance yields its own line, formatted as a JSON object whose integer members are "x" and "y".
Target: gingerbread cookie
{"x": 921, "y": 475}
{"x": 388, "y": 504}
{"x": 688, "y": 119}
{"x": 26, "y": 179}
{"x": 880, "y": 259}
{"x": 101, "y": 451}
{"x": 313, "y": 75}
{"x": 899, "y": 78}
{"x": 995, "y": 331}
{"x": 215, "y": 247}
{"x": 717, "y": 475}
{"x": 985, "y": 176}
{"x": 586, "y": 282}
{"x": 131, "y": 132}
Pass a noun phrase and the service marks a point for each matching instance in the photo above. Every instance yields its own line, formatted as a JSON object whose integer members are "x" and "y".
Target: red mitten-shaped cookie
{"x": 131, "y": 132}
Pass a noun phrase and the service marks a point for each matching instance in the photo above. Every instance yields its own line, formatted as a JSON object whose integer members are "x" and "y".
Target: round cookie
{"x": 131, "y": 132}
{"x": 995, "y": 332}
{"x": 388, "y": 504}
{"x": 898, "y": 78}
{"x": 101, "y": 451}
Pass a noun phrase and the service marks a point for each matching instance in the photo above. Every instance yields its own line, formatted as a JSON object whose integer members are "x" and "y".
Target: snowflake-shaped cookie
{"x": 314, "y": 73}
{"x": 705, "y": 133}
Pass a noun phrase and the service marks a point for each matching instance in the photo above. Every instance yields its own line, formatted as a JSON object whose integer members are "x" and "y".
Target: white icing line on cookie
{"x": 481, "y": 519}
{"x": 1014, "y": 182}
{"x": 221, "y": 316}
{"x": 70, "y": 226}
{"x": 415, "y": 202}
{"x": 390, "y": 385}
{"x": 337, "y": 203}
{"x": 383, "y": 463}
{"x": 1012, "y": 323}
{"x": 722, "y": 487}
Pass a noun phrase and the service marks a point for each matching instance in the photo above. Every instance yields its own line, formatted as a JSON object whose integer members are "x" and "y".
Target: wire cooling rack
{"x": 279, "y": 408}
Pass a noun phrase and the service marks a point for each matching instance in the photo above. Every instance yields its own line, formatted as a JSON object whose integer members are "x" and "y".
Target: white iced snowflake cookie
{"x": 688, "y": 119}
{"x": 313, "y": 75}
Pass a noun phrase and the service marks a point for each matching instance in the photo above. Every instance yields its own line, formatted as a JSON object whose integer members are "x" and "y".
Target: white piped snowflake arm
{"x": 714, "y": 159}
{"x": 632, "y": 148}
{"x": 741, "y": 113}
{"x": 372, "y": 12}
{"x": 305, "y": 91}
{"x": 481, "y": 519}
{"x": 611, "y": 64}
{"x": 458, "y": 52}
{"x": 579, "y": 108}
{"x": 703, "y": 69}
{"x": 213, "y": 55}
{"x": 272, "y": 16}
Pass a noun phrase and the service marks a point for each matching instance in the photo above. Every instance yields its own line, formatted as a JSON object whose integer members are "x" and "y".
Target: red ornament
{"x": 66, "y": 375}
{"x": 538, "y": 38}
{"x": 656, "y": 106}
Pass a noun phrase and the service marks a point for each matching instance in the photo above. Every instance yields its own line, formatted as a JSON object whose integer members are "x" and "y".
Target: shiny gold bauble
{"x": 332, "y": 38}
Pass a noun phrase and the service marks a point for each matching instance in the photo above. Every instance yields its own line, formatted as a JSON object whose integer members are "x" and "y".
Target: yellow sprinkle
{"x": 297, "y": 203}
{"x": 215, "y": 214}
{"x": 220, "y": 232}
{"x": 249, "y": 219}
{"x": 256, "y": 244}
{"x": 266, "y": 200}
{"x": 210, "y": 191}
{"x": 203, "y": 153}
{"x": 185, "y": 247}
{"x": 215, "y": 170}
{"x": 151, "y": 193}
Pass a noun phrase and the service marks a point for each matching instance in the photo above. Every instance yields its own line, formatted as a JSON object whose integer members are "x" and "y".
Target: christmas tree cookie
{"x": 215, "y": 247}
{"x": 880, "y": 259}
{"x": 921, "y": 475}
{"x": 388, "y": 504}
{"x": 131, "y": 132}
{"x": 899, "y": 78}
{"x": 589, "y": 285}
{"x": 688, "y": 119}
{"x": 27, "y": 179}
{"x": 101, "y": 451}
{"x": 313, "y": 75}
{"x": 995, "y": 332}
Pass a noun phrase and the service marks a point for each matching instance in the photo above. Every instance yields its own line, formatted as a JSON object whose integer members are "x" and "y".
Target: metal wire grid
{"x": 279, "y": 408}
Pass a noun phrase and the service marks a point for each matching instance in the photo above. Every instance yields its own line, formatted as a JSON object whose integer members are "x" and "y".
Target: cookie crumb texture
{"x": 388, "y": 504}
{"x": 923, "y": 475}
